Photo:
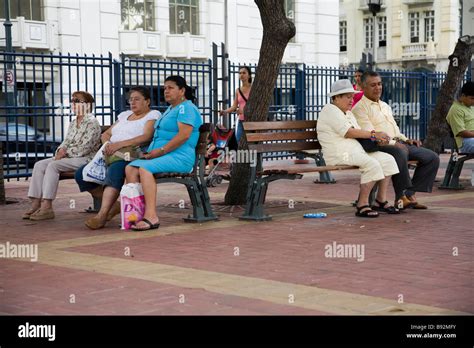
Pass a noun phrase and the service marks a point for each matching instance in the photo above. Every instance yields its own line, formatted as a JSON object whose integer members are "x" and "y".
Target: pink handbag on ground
{"x": 132, "y": 205}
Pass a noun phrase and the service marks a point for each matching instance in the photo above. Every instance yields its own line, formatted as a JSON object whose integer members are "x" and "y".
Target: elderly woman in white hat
{"x": 338, "y": 132}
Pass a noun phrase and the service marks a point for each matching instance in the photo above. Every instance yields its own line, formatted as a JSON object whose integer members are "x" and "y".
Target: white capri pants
{"x": 374, "y": 166}
{"x": 45, "y": 177}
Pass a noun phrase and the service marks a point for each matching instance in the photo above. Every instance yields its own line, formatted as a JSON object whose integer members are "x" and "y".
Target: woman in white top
{"x": 337, "y": 133}
{"x": 132, "y": 128}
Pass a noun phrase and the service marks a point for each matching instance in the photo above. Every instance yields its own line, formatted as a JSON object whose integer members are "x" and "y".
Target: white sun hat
{"x": 341, "y": 87}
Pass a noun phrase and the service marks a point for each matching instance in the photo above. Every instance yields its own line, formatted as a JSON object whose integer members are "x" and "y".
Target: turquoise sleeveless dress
{"x": 180, "y": 160}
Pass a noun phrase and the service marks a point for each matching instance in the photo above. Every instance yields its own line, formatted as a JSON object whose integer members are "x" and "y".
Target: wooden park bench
{"x": 298, "y": 138}
{"x": 454, "y": 168}
{"x": 194, "y": 182}
{"x": 292, "y": 137}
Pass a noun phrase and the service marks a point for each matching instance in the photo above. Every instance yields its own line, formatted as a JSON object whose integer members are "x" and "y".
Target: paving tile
{"x": 409, "y": 254}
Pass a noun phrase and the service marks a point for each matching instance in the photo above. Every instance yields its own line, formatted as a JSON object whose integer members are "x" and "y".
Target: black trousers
{"x": 425, "y": 172}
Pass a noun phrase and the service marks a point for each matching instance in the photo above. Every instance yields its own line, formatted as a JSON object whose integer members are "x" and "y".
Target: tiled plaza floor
{"x": 418, "y": 262}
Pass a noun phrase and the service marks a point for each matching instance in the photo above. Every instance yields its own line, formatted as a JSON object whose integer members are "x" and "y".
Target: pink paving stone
{"x": 116, "y": 295}
{"x": 411, "y": 253}
{"x": 265, "y": 260}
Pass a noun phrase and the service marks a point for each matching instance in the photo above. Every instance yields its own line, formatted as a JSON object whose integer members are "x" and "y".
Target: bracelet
{"x": 372, "y": 135}
{"x": 163, "y": 150}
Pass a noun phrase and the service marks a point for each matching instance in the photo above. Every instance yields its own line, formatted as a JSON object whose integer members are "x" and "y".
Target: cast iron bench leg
{"x": 206, "y": 202}
{"x": 324, "y": 177}
{"x": 449, "y": 173}
{"x": 454, "y": 183}
{"x": 254, "y": 209}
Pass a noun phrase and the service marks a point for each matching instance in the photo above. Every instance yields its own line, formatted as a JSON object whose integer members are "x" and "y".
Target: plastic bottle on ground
{"x": 315, "y": 215}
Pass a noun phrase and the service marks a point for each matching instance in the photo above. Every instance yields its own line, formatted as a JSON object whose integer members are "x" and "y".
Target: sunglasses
{"x": 131, "y": 100}
{"x": 77, "y": 101}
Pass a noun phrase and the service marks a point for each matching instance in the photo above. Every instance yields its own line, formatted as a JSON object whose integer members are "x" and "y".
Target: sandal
{"x": 367, "y": 213}
{"x": 382, "y": 207}
{"x": 150, "y": 226}
{"x": 27, "y": 215}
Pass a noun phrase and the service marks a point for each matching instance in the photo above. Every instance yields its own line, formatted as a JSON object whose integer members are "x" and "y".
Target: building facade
{"x": 153, "y": 35}
{"x": 171, "y": 29}
{"x": 409, "y": 35}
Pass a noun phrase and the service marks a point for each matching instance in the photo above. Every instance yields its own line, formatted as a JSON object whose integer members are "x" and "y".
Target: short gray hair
{"x": 368, "y": 74}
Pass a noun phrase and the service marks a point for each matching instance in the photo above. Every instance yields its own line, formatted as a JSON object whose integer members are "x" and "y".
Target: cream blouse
{"x": 82, "y": 141}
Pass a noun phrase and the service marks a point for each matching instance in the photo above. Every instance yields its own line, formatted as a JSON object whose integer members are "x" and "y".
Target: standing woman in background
{"x": 358, "y": 86}
{"x": 242, "y": 94}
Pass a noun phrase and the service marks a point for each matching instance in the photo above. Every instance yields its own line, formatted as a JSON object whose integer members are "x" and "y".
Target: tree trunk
{"x": 277, "y": 32}
{"x": 458, "y": 62}
{"x": 2, "y": 181}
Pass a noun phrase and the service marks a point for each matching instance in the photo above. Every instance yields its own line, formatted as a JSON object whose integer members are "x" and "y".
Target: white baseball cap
{"x": 341, "y": 87}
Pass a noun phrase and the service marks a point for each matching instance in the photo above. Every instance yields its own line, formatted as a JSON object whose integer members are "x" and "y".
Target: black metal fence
{"x": 35, "y": 91}
{"x": 35, "y": 107}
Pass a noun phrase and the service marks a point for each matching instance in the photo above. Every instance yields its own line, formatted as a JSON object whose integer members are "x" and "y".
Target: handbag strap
{"x": 243, "y": 96}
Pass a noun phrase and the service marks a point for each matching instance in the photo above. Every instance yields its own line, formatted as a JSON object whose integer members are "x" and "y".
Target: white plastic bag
{"x": 132, "y": 204}
{"x": 96, "y": 170}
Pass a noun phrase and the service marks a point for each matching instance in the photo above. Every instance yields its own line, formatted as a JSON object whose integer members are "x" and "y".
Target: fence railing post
{"x": 470, "y": 71}
{"x": 223, "y": 78}
{"x": 111, "y": 89}
{"x": 300, "y": 92}
{"x": 117, "y": 87}
{"x": 423, "y": 125}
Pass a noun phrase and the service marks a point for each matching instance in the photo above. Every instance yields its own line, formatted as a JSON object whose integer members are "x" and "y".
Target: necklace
{"x": 134, "y": 116}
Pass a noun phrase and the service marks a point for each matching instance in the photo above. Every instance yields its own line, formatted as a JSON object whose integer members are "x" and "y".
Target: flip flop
{"x": 150, "y": 226}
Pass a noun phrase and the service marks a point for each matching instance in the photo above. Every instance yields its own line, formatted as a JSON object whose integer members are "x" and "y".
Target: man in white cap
{"x": 338, "y": 132}
{"x": 372, "y": 113}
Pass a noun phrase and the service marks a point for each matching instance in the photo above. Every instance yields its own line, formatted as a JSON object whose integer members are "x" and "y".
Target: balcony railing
{"x": 363, "y": 4}
{"x": 419, "y": 50}
{"x": 417, "y": 2}
{"x": 140, "y": 42}
{"x": 186, "y": 46}
{"x": 153, "y": 43}
{"x": 293, "y": 53}
{"x": 28, "y": 34}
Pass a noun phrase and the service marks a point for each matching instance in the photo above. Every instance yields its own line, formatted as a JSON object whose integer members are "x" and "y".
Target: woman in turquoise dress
{"x": 172, "y": 149}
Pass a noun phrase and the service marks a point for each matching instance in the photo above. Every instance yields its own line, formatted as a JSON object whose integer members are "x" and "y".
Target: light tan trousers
{"x": 45, "y": 178}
